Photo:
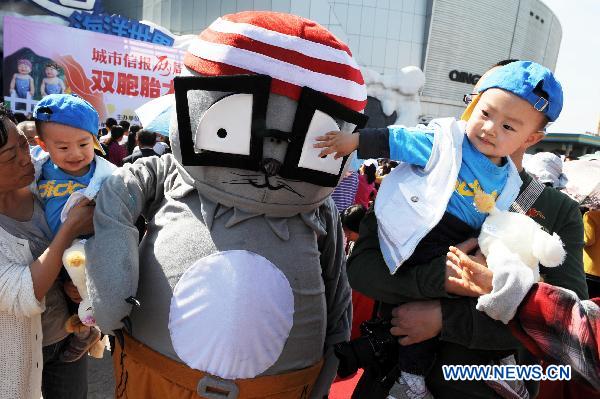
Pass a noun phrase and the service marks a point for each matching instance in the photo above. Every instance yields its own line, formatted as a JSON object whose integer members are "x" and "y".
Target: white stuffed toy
{"x": 74, "y": 261}
{"x": 510, "y": 239}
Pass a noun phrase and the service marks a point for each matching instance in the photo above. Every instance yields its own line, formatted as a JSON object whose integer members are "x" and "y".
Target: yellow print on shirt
{"x": 50, "y": 189}
{"x": 468, "y": 189}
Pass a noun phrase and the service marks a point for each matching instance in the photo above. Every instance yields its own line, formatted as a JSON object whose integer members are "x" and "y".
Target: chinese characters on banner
{"x": 119, "y": 26}
{"x": 115, "y": 74}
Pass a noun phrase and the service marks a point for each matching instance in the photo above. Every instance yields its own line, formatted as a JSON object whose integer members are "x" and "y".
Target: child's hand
{"x": 467, "y": 275}
{"x": 341, "y": 144}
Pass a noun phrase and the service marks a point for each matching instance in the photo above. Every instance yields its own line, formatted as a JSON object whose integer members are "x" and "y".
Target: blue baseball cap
{"x": 67, "y": 109}
{"x": 521, "y": 78}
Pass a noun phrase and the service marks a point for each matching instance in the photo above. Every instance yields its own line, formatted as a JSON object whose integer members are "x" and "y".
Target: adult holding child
{"x": 29, "y": 265}
{"x": 456, "y": 319}
{"x": 467, "y": 336}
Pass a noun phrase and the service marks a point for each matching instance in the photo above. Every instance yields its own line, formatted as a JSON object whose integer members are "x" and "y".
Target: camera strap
{"x": 527, "y": 198}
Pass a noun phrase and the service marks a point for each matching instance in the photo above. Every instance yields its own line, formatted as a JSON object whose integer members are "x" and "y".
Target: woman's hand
{"x": 80, "y": 220}
{"x": 341, "y": 144}
{"x": 468, "y": 275}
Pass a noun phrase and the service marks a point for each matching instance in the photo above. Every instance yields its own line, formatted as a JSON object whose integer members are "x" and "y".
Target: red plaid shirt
{"x": 554, "y": 324}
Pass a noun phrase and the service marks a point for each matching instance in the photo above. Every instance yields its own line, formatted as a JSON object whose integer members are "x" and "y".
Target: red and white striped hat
{"x": 294, "y": 51}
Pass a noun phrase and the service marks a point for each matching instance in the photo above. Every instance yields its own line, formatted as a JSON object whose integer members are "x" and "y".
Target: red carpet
{"x": 342, "y": 389}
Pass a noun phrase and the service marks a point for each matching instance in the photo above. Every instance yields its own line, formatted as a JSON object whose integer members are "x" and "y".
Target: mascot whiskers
{"x": 240, "y": 278}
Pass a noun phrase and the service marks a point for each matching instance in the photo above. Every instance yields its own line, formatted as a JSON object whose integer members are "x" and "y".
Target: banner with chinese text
{"x": 115, "y": 74}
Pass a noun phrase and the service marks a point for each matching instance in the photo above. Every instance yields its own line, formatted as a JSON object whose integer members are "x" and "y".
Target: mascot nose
{"x": 270, "y": 166}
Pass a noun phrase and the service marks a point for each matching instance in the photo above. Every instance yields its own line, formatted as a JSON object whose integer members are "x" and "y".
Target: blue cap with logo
{"x": 67, "y": 109}
{"x": 521, "y": 78}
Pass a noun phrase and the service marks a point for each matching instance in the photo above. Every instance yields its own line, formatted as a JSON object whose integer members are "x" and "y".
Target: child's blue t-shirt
{"x": 414, "y": 146}
{"x": 55, "y": 186}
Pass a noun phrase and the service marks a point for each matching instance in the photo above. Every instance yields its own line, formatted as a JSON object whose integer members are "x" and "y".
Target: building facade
{"x": 452, "y": 41}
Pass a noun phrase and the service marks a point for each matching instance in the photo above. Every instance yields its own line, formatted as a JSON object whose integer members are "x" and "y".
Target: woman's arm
{"x": 31, "y": 86}
{"x": 23, "y": 286}
{"x": 43, "y": 87}
{"x": 12, "y": 82}
{"x": 45, "y": 269}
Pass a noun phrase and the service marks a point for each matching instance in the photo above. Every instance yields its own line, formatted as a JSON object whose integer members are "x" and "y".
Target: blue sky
{"x": 578, "y": 65}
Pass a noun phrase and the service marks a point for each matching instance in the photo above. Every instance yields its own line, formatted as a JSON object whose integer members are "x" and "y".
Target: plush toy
{"x": 74, "y": 261}
{"x": 240, "y": 277}
{"x": 519, "y": 234}
{"x": 511, "y": 239}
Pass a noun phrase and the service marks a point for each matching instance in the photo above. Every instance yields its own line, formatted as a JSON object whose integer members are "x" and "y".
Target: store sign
{"x": 115, "y": 74}
{"x": 463, "y": 77}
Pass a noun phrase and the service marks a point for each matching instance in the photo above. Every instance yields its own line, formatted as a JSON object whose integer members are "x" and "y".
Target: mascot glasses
{"x": 228, "y": 131}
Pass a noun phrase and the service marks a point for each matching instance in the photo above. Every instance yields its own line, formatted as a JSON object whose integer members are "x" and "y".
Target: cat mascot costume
{"x": 239, "y": 289}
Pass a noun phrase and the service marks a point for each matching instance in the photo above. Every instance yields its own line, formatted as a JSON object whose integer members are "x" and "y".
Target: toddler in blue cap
{"x": 426, "y": 204}
{"x": 68, "y": 171}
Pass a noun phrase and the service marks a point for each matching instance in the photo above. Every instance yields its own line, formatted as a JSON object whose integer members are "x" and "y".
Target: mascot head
{"x": 256, "y": 90}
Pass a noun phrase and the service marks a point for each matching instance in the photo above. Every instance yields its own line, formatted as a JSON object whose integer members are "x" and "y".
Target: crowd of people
{"x": 408, "y": 223}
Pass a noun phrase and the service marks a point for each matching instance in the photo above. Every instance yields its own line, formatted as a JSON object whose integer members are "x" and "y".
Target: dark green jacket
{"x": 468, "y": 336}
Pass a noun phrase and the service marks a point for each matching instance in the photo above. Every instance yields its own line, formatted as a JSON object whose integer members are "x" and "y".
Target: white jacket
{"x": 412, "y": 200}
{"x": 20, "y": 322}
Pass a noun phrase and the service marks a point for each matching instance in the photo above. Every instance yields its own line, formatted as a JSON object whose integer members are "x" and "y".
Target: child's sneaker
{"x": 410, "y": 386}
{"x": 79, "y": 344}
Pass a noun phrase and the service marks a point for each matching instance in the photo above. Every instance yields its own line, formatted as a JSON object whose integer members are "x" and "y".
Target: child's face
{"x": 23, "y": 69}
{"x": 51, "y": 72}
{"x": 70, "y": 149}
{"x": 503, "y": 123}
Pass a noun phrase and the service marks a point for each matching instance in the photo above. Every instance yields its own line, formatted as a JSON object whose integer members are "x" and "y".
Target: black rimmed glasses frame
{"x": 309, "y": 102}
{"x": 257, "y": 85}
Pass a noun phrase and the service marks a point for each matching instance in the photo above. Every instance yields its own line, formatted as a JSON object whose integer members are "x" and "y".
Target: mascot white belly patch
{"x": 231, "y": 314}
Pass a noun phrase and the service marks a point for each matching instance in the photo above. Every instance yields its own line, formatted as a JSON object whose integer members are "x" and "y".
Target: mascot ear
{"x": 548, "y": 248}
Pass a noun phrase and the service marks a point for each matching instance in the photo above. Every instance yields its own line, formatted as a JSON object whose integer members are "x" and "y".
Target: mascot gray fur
{"x": 240, "y": 277}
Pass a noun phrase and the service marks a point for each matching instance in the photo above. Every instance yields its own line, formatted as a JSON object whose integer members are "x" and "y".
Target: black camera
{"x": 375, "y": 348}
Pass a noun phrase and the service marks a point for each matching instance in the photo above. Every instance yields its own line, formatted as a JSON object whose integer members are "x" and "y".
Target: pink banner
{"x": 115, "y": 74}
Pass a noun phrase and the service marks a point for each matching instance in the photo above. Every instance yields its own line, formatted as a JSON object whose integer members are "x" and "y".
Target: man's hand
{"x": 467, "y": 275}
{"x": 416, "y": 321}
{"x": 71, "y": 291}
{"x": 341, "y": 144}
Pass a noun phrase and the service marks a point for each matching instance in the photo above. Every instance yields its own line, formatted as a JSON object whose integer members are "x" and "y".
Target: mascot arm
{"x": 112, "y": 272}
{"x": 569, "y": 275}
{"x": 337, "y": 294}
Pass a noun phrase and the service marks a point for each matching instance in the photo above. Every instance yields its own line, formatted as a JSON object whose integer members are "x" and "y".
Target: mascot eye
{"x": 226, "y": 126}
{"x": 320, "y": 124}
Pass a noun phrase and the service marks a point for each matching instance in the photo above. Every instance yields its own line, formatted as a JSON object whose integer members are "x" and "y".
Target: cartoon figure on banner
{"x": 52, "y": 84}
{"x": 22, "y": 82}
{"x": 240, "y": 285}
